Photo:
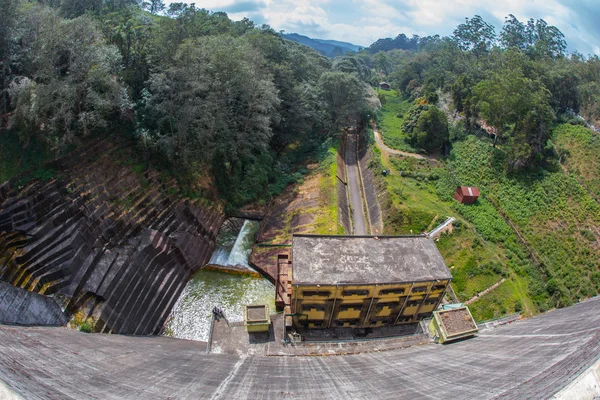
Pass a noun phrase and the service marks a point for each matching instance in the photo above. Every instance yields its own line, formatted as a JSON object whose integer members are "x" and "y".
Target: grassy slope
{"x": 476, "y": 263}
{"x": 556, "y": 216}
{"x": 580, "y": 148}
{"x": 389, "y": 122}
{"x": 326, "y": 215}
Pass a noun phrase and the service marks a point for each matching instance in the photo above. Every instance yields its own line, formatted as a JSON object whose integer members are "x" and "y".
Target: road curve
{"x": 389, "y": 150}
{"x": 359, "y": 225}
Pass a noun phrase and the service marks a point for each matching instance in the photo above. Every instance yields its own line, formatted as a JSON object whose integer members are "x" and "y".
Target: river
{"x": 191, "y": 315}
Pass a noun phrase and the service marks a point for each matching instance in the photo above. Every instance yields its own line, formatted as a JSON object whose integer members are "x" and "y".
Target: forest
{"x": 200, "y": 95}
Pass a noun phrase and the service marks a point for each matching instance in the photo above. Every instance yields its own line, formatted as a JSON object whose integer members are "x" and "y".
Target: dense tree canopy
{"x": 201, "y": 94}
{"x": 515, "y": 84}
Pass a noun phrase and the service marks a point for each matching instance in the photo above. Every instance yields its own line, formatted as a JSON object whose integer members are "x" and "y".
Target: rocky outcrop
{"x": 107, "y": 241}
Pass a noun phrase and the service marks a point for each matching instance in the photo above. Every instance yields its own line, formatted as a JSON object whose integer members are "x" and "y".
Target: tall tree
{"x": 475, "y": 35}
{"x": 345, "y": 96}
{"x": 72, "y": 89}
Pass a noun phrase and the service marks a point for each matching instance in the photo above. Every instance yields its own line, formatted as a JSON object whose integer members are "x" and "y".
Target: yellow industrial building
{"x": 365, "y": 281}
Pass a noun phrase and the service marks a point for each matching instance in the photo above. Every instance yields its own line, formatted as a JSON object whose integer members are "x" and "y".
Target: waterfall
{"x": 240, "y": 252}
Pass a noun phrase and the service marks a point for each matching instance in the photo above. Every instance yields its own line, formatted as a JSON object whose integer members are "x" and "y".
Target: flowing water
{"x": 191, "y": 315}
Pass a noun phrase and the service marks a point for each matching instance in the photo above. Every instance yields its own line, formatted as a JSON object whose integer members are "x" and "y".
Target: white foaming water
{"x": 191, "y": 315}
{"x": 242, "y": 247}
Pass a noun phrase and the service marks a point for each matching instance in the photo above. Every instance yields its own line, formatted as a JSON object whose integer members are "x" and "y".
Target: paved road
{"x": 356, "y": 200}
{"x": 389, "y": 150}
{"x": 531, "y": 359}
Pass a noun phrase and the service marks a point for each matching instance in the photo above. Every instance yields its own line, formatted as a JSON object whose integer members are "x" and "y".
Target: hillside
{"x": 329, "y": 48}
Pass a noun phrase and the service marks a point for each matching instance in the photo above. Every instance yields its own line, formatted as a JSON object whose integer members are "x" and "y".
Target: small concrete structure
{"x": 256, "y": 318}
{"x": 452, "y": 324}
{"x": 385, "y": 86}
{"x": 467, "y": 194}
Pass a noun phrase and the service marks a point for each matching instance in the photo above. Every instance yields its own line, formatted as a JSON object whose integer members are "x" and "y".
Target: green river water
{"x": 191, "y": 315}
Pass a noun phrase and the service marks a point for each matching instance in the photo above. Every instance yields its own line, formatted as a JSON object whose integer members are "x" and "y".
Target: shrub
{"x": 85, "y": 327}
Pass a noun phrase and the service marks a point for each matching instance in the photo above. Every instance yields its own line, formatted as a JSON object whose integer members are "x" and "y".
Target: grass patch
{"x": 391, "y": 118}
{"x": 326, "y": 216}
{"x": 579, "y": 149}
{"x": 481, "y": 250}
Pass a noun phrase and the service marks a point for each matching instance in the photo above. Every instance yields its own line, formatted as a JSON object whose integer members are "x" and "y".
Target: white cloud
{"x": 364, "y": 21}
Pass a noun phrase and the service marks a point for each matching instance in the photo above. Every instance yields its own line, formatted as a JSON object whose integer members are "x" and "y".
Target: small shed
{"x": 385, "y": 86}
{"x": 467, "y": 194}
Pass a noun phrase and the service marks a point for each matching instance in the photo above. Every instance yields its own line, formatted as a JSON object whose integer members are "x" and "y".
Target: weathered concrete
{"x": 369, "y": 187}
{"x": 117, "y": 245}
{"x": 359, "y": 223}
{"x": 20, "y": 307}
{"x": 530, "y": 359}
{"x": 366, "y": 259}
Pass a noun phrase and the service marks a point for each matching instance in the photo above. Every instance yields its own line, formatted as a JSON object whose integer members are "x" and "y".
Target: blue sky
{"x": 362, "y": 22}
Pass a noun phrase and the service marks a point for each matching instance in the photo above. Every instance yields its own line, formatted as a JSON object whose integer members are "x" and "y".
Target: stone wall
{"x": 111, "y": 244}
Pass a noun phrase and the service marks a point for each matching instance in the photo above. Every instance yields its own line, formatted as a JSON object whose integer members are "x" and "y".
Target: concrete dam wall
{"x": 530, "y": 359}
{"x": 107, "y": 242}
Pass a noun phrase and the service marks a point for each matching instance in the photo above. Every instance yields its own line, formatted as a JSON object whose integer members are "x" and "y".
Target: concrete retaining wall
{"x": 114, "y": 243}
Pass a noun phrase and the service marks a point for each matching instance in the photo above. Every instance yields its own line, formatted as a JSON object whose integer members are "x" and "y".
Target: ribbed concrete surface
{"x": 20, "y": 307}
{"x": 531, "y": 359}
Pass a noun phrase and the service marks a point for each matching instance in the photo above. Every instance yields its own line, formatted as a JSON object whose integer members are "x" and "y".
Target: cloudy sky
{"x": 363, "y": 21}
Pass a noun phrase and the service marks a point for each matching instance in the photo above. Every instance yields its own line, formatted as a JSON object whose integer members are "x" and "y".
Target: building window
{"x": 419, "y": 289}
{"x": 313, "y": 307}
{"x": 384, "y": 321}
{"x": 405, "y": 319}
{"x": 355, "y": 292}
{"x": 396, "y": 291}
{"x": 381, "y": 306}
{"x": 438, "y": 287}
{"x": 351, "y": 307}
{"x": 412, "y": 303}
{"x": 432, "y": 300}
{"x": 315, "y": 293}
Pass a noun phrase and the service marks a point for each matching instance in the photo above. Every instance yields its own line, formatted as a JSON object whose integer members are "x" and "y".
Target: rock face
{"x": 112, "y": 244}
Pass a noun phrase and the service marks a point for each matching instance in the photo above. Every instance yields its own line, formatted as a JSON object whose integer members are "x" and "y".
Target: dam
{"x": 534, "y": 358}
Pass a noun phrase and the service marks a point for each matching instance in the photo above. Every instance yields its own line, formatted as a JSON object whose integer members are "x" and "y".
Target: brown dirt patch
{"x": 457, "y": 321}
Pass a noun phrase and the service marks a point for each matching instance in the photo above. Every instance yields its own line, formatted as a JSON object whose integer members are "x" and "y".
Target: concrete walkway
{"x": 533, "y": 359}
{"x": 389, "y": 150}
{"x": 359, "y": 225}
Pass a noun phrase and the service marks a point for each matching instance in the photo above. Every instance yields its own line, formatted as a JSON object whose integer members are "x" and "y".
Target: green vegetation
{"x": 579, "y": 152}
{"x": 326, "y": 215}
{"x": 391, "y": 118}
{"x": 204, "y": 97}
{"x": 85, "y": 327}
{"x": 476, "y": 261}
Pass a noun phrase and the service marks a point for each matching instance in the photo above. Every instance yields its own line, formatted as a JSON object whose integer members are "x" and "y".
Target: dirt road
{"x": 389, "y": 150}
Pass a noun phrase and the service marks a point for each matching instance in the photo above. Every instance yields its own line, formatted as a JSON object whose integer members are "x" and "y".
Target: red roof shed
{"x": 466, "y": 194}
